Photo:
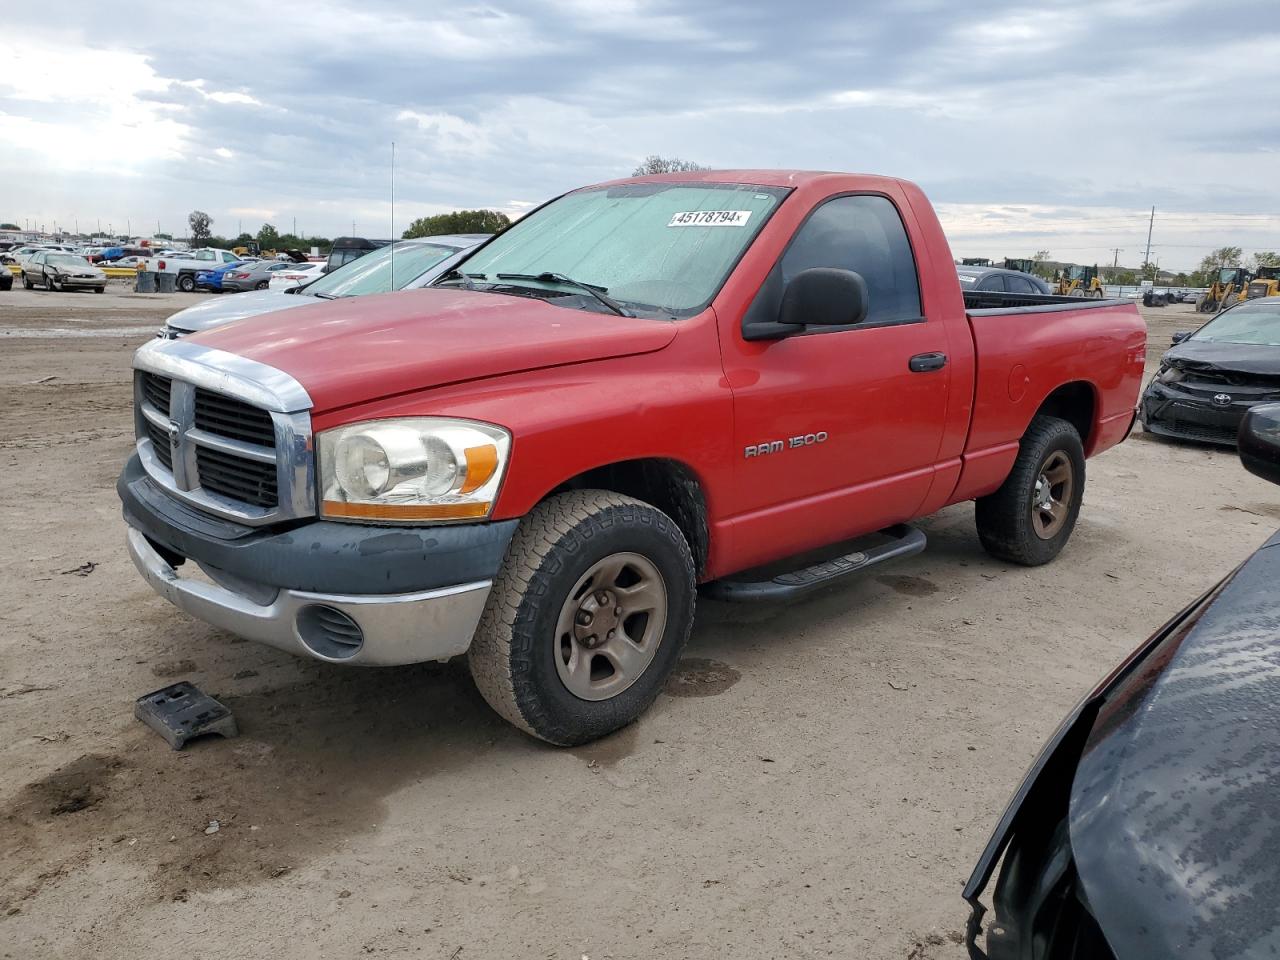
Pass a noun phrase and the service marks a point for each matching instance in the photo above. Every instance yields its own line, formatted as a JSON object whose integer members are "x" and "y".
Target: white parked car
{"x": 296, "y": 276}
{"x": 416, "y": 263}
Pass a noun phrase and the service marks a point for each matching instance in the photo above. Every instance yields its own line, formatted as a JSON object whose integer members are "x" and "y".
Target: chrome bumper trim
{"x": 398, "y": 628}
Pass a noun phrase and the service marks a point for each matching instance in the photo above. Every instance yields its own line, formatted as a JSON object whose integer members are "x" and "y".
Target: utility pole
{"x": 1116, "y": 261}
{"x": 1150, "y": 225}
{"x": 295, "y": 226}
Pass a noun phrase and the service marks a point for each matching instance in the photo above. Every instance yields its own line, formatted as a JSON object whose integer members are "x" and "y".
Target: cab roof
{"x": 758, "y": 178}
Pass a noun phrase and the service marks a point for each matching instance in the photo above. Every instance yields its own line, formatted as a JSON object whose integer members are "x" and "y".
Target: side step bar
{"x": 905, "y": 541}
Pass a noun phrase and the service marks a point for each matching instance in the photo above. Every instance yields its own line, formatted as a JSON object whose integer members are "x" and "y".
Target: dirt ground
{"x": 817, "y": 781}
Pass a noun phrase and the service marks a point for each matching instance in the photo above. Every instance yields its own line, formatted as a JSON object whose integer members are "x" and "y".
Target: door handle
{"x": 925, "y": 362}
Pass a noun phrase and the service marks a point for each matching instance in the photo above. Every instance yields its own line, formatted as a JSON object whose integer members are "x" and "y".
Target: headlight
{"x": 411, "y": 470}
{"x": 1169, "y": 374}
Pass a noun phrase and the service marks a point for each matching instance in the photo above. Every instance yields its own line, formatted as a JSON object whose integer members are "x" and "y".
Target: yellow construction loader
{"x": 1265, "y": 283}
{"x": 1077, "y": 281}
{"x": 1227, "y": 289}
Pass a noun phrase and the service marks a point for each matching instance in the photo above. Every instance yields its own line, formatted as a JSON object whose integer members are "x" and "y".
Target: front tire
{"x": 187, "y": 283}
{"x": 99, "y": 289}
{"x": 26, "y": 282}
{"x": 1030, "y": 518}
{"x": 587, "y": 618}
{"x": 50, "y": 284}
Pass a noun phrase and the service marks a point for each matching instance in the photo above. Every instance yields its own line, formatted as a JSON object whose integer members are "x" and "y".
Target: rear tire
{"x": 261, "y": 284}
{"x": 584, "y": 561}
{"x": 186, "y": 283}
{"x": 1030, "y": 518}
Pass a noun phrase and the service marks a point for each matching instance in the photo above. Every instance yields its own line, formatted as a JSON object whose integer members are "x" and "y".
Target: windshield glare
{"x": 1254, "y": 324}
{"x": 373, "y": 273}
{"x": 662, "y": 248}
{"x": 66, "y": 260}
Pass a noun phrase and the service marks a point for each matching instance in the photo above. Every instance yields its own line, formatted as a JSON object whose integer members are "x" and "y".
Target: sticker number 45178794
{"x": 710, "y": 218}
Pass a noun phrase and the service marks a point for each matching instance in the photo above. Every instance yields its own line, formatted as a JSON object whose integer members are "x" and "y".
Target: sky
{"x": 1045, "y": 126}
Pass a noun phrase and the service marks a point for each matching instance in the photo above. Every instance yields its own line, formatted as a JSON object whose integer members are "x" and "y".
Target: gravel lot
{"x": 817, "y": 781}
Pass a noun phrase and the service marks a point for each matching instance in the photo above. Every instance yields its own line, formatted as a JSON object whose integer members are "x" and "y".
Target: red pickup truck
{"x": 640, "y": 387}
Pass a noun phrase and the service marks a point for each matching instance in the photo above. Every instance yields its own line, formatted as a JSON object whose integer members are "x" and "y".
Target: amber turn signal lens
{"x": 406, "y": 511}
{"x": 481, "y": 464}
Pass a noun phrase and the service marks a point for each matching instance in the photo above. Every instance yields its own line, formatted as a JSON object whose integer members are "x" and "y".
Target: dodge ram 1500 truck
{"x": 640, "y": 387}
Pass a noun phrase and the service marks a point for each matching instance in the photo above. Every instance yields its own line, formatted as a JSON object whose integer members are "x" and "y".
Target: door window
{"x": 1019, "y": 284}
{"x": 992, "y": 284}
{"x": 864, "y": 234}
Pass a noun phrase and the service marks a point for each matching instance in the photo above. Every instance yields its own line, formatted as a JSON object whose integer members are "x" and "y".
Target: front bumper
{"x": 90, "y": 282}
{"x": 392, "y": 629}
{"x": 1173, "y": 413}
{"x": 337, "y": 592}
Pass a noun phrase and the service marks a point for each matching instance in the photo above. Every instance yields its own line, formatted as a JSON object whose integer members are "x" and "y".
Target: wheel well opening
{"x": 1074, "y": 403}
{"x": 666, "y": 484}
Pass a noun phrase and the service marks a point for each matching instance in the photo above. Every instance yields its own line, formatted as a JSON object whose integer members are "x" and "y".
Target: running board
{"x": 904, "y": 541}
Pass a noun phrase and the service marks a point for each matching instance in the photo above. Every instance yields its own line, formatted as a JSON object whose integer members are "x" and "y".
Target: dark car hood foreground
{"x": 1175, "y": 808}
{"x": 1173, "y": 767}
{"x": 1228, "y": 357}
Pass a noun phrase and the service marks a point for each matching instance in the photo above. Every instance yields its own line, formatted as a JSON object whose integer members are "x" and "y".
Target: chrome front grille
{"x": 216, "y": 431}
{"x": 233, "y": 418}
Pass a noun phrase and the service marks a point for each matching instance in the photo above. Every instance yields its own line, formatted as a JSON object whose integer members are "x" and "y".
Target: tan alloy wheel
{"x": 610, "y": 626}
{"x": 1051, "y": 501}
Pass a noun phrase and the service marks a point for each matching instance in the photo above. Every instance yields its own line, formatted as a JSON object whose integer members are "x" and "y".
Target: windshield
{"x": 67, "y": 260}
{"x": 372, "y": 273}
{"x": 1227, "y": 275}
{"x": 1256, "y": 324}
{"x": 656, "y": 248}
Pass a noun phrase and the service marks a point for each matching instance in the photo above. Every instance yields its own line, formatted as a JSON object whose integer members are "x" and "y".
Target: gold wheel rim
{"x": 610, "y": 626}
{"x": 1051, "y": 497}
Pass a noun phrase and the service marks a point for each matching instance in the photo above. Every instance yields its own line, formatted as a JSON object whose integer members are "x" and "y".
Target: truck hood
{"x": 1225, "y": 357}
{"x": 1175, "y": 806}
{"x": 367, "y": 348}
{"x": 236, "y": 306}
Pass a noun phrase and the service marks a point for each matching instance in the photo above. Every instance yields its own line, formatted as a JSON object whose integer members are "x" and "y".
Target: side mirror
{"x": 824, "y": 296}
{"x": 1181, "y": 335}
{"x": 1259, "y": 441}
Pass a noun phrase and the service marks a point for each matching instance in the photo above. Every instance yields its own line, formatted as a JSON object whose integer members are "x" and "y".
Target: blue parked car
{"x": 212, "y": 279}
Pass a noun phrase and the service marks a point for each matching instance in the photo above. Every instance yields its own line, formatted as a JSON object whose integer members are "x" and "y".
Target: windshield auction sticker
{"x": 710, "y": 218}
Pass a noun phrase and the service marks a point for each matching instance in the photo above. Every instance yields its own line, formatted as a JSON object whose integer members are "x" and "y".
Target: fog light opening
{"x": 329, "y": 633}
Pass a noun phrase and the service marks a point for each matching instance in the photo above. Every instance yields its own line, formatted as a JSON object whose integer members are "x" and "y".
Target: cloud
{"x": 1058, "y": 109}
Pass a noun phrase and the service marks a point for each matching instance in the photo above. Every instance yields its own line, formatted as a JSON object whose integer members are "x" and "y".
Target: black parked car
{"x": 999, "y": 280}
{"x": 1211, "y": 377}
{"x": 1149, "y": 827}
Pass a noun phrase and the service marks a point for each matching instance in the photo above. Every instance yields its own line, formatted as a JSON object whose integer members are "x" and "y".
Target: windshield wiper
{"x": 323, "y": 296}
{"x": 455, "y": 274}
{"x": 600, "y": 293}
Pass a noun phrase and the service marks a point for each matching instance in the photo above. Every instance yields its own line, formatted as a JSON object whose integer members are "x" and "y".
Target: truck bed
{"x": 980, "y": 302}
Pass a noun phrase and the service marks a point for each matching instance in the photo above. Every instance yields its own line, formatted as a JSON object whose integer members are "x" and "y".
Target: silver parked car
{"x": 399, "y": 266}
{"x": 252, "y": 275}
{"x": 52, "y": 269}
